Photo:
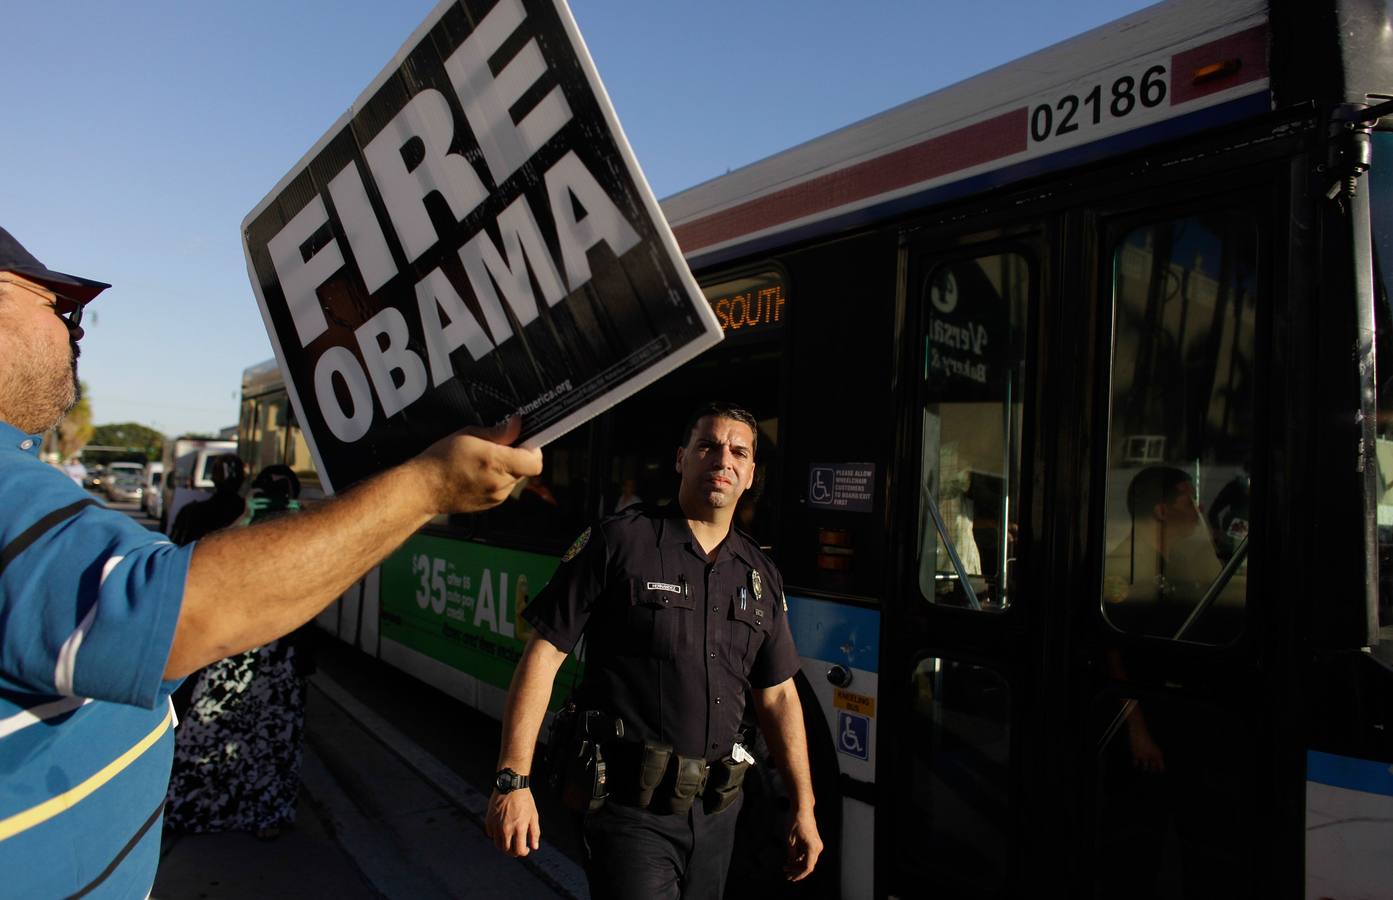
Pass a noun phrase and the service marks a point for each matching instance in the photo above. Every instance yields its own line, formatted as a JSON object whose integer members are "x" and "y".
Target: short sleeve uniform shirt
{"x": 673, "y": 639}
{"x": 88, "y": 604}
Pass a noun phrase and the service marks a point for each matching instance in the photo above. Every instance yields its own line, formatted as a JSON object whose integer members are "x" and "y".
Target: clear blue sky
{"x": 139, "y": 133}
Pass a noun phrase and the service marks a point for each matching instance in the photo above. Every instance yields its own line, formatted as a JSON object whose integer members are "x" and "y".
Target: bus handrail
{"x": 952, "y": 552}
{"x": 1240, "y": 554}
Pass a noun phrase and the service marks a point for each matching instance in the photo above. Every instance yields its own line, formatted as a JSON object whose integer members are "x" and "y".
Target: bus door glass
{"x": 1381, "y": 213}
{"x": 1175, "y": 771}
{"x": 971, "y": 415}
{"x": 954, "y": 819}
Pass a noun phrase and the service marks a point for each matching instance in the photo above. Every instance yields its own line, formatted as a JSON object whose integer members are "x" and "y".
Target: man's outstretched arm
{"x": 249, "y": 586}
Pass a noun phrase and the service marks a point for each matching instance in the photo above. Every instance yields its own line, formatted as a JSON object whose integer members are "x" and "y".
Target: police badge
{"x": 756, "y": 584}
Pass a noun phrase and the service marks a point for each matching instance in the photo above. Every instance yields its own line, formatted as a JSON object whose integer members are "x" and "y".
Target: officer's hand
{"x": 804, "y": 847}
{"x": 475, "y": 469}
{"x": 512, "y": 822}
{"x": 1146, "y": 753}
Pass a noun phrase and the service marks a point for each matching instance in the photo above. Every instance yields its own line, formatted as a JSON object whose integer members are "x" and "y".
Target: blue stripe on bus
{"x": 836, "y": 632}
{"x": 1350, "y": 773}
{"x": 1227, "y": 113}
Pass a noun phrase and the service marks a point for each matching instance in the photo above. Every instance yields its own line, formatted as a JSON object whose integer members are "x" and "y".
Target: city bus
{"x": 1074, "y": 454}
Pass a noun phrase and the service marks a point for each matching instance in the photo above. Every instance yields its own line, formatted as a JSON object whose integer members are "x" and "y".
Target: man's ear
{"x": 681, "y": 454}
{"x": 1159, "y": 511}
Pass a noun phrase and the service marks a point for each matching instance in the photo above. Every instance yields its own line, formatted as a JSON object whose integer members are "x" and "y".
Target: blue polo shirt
{"x": 88, "y": 604}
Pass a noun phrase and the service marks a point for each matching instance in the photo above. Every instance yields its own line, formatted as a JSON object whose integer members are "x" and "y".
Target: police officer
{"x": 682, "y": 614}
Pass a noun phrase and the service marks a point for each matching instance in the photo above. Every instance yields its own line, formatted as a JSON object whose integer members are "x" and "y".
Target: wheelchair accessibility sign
{"x": 848, "y": 487}
{"x": 853, "y": 734}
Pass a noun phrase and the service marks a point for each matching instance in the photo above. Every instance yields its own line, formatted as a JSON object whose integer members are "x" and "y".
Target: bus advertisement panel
{"x": 461, "y": 604}
{"x": 472, "y": 240}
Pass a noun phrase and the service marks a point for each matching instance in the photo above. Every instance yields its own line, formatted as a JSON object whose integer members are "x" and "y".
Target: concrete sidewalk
{"x": 377, "y": 817}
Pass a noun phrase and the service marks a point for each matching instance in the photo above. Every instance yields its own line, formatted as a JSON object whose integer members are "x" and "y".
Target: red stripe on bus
{"x": 983, "y": 142}
{"x": 1248, "y": 49}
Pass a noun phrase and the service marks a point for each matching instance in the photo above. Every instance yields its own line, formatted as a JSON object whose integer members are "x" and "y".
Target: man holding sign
{"x": 102, "y": 618}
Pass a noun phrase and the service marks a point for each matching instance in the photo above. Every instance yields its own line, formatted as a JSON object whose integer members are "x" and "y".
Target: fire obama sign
{"x": 471, "y": 240}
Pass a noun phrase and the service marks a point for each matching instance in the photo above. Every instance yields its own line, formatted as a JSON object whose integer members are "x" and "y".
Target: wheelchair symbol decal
{"x": 820, "y": 489}
{"x": 853, "y": 735}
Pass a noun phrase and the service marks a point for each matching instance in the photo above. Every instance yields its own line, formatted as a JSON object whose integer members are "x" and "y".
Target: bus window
{"x": 249, "y": 435}
{"x": 1181, "y": 432}
{"x": 246, "y": 430}
{"x": 297, "y": 452}
{"x": 270, "y": 429}
{"x": 1381, "y": 211}
{"x": 960, "y": 745}
{"x": 973, "y": 386}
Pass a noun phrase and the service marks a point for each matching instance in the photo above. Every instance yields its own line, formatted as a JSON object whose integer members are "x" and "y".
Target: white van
{"x": 152, "y": 501}
{"x": 188, "y": 475}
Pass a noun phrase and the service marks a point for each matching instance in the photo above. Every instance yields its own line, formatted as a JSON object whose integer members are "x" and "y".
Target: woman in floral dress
{"x": 237, "y": 752}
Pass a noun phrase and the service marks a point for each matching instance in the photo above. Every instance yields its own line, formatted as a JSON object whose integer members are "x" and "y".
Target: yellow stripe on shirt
{"x": 36, "y": 815}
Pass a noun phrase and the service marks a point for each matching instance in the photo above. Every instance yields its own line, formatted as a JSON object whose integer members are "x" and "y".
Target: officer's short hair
{"x": 1153, "y": 485}
{"x": 721, "y": 410}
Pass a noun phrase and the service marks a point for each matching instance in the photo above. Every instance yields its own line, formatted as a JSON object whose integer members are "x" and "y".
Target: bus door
{"x": 1170, "y": 720}
{"x": 956, "y": 671}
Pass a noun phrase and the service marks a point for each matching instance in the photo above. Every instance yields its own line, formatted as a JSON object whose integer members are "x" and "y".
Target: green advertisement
{"x": 461, "y": 603}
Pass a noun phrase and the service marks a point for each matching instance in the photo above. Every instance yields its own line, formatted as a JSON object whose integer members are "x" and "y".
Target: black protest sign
{"x": 471, "y": 240}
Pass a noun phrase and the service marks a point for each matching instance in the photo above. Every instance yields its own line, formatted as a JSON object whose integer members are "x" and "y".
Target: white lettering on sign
{"x": 299, "y": 274}
{"x": 421, "y": 153}
{"x": 347, "y": 425}
{"x": 603, "y": 222}
{"x": 434, "y": 295}
{"x": 427, "y": 119}
{"x": 487, "y": 99}
{"x": 969, "y": 336}
{"x": 523, "y": 243}
{"x": 495, "y": 618}
{"x": 842, "y": 486}
{"x": 382, "y": 340}
{"x": 443, "y": 592}
{"x": 360, "y": 226}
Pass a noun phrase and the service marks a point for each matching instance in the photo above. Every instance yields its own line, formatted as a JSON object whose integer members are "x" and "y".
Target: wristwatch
{"x": 507, "y": 780}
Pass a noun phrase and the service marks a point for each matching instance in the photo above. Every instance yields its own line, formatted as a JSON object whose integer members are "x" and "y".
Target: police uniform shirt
{"x": 672, "y": 638}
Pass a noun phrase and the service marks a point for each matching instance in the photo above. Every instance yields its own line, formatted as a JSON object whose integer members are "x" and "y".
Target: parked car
{"x": 153, "y": 499}
{"x": 124, "y": 481}
{"x": 93, "y": 481}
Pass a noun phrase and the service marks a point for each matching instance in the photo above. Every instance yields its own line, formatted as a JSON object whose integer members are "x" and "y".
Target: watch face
{"x": 504, "y": 782}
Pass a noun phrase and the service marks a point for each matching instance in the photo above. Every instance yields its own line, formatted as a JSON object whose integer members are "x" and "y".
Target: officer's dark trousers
{"x": 632, "y": 854}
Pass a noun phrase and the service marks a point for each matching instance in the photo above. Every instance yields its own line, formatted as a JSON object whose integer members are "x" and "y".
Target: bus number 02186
{"x": 1127, "y": 94}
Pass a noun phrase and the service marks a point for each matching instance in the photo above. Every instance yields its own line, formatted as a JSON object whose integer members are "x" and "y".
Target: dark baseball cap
{"x": 14, "y": 258}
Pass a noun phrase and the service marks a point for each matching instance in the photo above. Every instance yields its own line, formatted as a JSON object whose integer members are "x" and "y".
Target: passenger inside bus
{"x": 1158, "y": 574}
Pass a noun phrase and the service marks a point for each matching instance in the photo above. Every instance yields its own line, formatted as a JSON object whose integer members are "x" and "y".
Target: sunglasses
{"x": 67, "y": 308}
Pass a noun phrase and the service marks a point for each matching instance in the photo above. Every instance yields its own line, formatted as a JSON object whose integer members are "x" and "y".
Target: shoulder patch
{"x": 578, "y": 546}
